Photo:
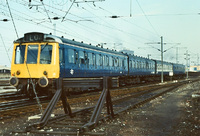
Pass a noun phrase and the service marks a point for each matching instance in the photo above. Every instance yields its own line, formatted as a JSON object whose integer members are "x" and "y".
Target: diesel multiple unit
{"x": 40, "y": 58}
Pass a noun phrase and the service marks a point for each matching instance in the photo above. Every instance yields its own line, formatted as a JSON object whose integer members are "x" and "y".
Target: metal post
{"x": 105, "y": 96}
{"x": 130, "y": 8}
{"x": 186, "y": 64}
{"x": 162, "y": 59}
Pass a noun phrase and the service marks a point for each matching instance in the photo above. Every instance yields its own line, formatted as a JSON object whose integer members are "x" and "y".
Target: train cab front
{"x": 35, "y": 63}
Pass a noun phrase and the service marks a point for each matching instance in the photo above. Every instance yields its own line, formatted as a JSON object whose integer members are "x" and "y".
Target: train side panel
{"x": 178, "y": 69}
{"x": 141, "y": 66}
{"x": 79, "y": 61}
{"x": 167, "y": 67}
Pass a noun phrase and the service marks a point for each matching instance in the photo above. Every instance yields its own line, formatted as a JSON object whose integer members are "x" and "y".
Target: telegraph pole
{"x": 162, "y": 52}
{"x": 186, "y": 63}
{"x": 162, "y": 58}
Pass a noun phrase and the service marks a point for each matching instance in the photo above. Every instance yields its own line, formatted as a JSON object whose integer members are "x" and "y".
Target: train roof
{"x": 42, "y": 37}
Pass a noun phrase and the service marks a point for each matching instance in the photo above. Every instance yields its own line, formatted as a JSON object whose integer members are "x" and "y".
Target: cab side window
{"x": 71, "y": 56}
{"x": 61, "y": 56}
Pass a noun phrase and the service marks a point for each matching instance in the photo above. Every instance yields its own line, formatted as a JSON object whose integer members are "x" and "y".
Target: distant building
{"x": 194, "y": 69}
{"x": 4, "y": 72}
{"x": 4, "y": 69}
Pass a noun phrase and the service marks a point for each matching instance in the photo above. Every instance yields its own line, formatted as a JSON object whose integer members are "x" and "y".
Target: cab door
{"x": 61, "y": 61}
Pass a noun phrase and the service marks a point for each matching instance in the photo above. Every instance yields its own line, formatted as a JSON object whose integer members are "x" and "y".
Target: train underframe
{"x": 31, "y": 87}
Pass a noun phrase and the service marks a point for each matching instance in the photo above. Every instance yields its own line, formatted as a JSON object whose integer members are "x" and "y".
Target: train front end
{"x": 35, "y": 63}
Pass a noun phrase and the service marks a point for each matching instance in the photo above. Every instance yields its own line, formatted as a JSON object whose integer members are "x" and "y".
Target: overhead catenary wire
{"x": 68, "y": 11}
{"x": 73, "y": 16}
{"x": 147, "y": 18}
{"x": 5, "y": 48}
{"x": 110, "y": 26}
{"x": 102, "y": 33}
{"x": 12, "y": 19}
{"x": 122, "y": 18}
{"x": 114, "y": 28}
{"x": 46, "y": 11}
{"x": 87, "y": 28}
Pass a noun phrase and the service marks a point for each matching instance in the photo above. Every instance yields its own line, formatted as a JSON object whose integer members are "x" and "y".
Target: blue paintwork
{"x": 86, "y": 70}
{"x": 81, "y": 68}
{"x": 167, "y": 67}
{"x": 178, "y": 69}
{"x": 142, "y": 66}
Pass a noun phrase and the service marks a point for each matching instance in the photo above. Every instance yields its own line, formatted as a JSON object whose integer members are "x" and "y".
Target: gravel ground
{"x": 175, "y": 113}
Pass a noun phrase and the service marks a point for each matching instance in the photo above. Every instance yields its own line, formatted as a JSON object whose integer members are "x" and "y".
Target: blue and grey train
{"x": 45, "y": 58}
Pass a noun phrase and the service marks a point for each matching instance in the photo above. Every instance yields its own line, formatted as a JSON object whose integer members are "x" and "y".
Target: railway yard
{"x": 99, "y": 68}
{"x": 171, "y": 108}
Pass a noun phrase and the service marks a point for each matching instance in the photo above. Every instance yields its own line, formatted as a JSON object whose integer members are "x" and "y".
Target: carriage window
{"x": 90, "y": 58}
{"x": 81, "y": 57}
{"x": 138, "y": 64}
{"x": 45, "y": 54}
{"x": 133, "y": 64}
{"x": 116, "y": 62}
{"x": 120, "y": 62}
{"x": 110, "y": 61}
{"x": 123, "y": 63}
{"x": 97, "y": 59}
{"x": 32, "y": 54}
{"x": 105, "y": 61}
{"x": 130, "y": 64}
{"x": 94, "y": 59}
{"x": 19, "y": 54}
{"x": 147, "y": 65}
{"x": 71, "y": 56}
{"x": 101, "y": 60}
{"x": 144, "y": 65}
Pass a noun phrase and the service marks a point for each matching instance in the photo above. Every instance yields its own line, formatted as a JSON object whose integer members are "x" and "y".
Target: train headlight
{"x": 45, "y": 73}
{"x": 14, "y": 81}
{"x": 43, "y": 81}
{"x": 18, "y": 72}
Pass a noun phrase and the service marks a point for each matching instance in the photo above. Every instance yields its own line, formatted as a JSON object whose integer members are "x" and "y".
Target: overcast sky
{"x": 120, "y": 24}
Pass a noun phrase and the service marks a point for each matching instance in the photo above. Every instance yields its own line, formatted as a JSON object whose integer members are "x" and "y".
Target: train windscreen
{"x": 45, "y": 54}
{"x": 19, "y": 54}
{"x": 32, "y": 54}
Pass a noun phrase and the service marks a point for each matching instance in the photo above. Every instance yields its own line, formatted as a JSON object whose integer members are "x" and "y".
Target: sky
{"x": 135, "y": 25}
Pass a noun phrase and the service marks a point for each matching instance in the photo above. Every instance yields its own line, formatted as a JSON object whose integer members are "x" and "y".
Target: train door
{"x": 61, "y": 61}
{"x": 82, "y": 63}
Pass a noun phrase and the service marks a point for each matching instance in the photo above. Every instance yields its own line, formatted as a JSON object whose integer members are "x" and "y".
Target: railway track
{"x": 5, "y": 106}
{"x": 11, "y": 96}
{"x": 64, "y": 125}
{"x": 4, "y": 82}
